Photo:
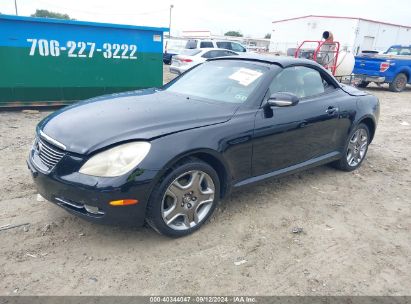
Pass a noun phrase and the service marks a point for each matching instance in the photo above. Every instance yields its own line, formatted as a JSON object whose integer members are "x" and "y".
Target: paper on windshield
{"x": 245, "y": 76}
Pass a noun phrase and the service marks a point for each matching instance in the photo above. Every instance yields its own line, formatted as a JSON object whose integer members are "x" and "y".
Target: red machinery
{"x": 325, "y": 53}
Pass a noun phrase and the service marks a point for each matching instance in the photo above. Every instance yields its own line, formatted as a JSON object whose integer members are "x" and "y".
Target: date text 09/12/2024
{"x": 203, "y": 299}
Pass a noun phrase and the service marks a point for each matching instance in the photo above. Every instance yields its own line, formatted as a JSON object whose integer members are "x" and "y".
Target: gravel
{"x": 356, "y": 239}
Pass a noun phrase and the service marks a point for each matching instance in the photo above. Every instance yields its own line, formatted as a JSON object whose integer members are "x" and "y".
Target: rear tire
{"x": 184, "y": 199}
{"x": 355, "y": 149}
{"x": 363, "y": 84}
{"x": 399, "y": 83}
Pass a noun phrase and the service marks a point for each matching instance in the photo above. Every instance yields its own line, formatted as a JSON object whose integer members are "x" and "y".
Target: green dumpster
{"x": 49, "y": 61}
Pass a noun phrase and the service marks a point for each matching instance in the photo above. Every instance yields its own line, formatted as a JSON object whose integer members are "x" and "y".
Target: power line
{"x": 169, "y": 27}
{"x": 15, "y": 6}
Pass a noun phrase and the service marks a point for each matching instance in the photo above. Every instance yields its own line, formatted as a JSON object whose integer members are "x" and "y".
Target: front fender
{"x": 229, "y": 143}
{"x": 407, "y": 71}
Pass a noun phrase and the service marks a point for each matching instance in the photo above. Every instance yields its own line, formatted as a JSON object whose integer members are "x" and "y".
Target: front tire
{"x": 184, "y": 199}
{"x": 355, "y": 149}
{"x": 399, "y": 83}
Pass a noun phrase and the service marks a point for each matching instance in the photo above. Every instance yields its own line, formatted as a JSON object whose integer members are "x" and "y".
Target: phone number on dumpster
{"x": 82, "y": 49}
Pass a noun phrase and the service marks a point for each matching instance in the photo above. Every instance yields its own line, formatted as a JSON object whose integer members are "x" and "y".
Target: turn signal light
{"x": 124, "y": 202}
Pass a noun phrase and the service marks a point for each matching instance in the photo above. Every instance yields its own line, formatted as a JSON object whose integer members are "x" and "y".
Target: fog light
{"x": 92, "y": 209}
{"x": 127, "y": 202}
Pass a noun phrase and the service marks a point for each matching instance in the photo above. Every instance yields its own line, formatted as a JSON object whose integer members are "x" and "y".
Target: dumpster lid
{"x": 83, "y": 23}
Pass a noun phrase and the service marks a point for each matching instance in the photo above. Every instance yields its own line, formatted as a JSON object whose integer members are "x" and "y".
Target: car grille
{"x": 49, "y": 154}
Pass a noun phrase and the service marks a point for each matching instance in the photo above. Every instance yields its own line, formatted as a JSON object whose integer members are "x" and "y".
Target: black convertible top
{"x": 282, "y": 61}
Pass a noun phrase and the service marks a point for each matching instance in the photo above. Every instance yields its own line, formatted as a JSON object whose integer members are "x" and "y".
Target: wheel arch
{"x": 209, "y": 156}
{"x": 403, "y": 70}
{"x": 370, "y": 123}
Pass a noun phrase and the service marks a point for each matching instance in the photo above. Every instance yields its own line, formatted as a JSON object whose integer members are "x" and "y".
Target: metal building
{"x": 354, "y": 34}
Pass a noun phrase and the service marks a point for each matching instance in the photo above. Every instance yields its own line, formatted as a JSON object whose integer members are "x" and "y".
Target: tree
{"x": 233, "y": 34}
{"x": 267, "y": 36}
{"x": 48, "y": 14}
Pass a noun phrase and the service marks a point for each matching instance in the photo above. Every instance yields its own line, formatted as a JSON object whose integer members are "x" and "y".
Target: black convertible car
{"x": 166, "y": 156}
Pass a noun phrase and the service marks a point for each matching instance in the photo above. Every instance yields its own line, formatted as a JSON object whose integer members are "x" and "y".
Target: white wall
{"x": 289, "y": 34}
{"x": 384, "y": 35}
{"x": 354, "y": 34}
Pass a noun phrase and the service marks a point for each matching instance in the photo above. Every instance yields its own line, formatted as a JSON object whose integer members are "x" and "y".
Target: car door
{"x": 287, "y": 136}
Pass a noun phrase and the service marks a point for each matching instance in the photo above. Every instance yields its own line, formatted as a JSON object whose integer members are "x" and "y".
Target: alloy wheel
{"x": 357, "y": 147}
{"x": 188, "y": 200}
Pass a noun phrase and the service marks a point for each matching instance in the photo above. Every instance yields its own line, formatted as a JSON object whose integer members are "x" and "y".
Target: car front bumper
{"x": 89, "y": 197}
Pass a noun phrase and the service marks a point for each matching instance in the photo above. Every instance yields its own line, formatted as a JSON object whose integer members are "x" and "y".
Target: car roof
{"x": 282, "y": 61}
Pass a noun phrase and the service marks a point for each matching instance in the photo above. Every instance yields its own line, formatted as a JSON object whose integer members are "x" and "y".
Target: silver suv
{"x": 220, "y": 44}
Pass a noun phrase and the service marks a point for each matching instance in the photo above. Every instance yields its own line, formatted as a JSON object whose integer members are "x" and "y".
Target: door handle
{"x": 331, "y": 110}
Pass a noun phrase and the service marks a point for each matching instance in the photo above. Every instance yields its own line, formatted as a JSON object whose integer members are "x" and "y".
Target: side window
{"x": 301, "y": 81}
{"x": 224, "y": 45}
{"x": 191, "y": 44}
{"x": 229, "y": 53}
{"x": 218, "y": 54}
{"x": 206, "y": 44}
{"x": 207, "y": 54}
{"x": 237, "y": 47}
{"x": 213, "y": 54}
{"x": 405, "y": 51}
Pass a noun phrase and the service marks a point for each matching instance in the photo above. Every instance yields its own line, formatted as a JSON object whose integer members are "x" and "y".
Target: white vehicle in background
{"x": 192, "y": 57}
{"x": 216, "y": 44}
{"x": 172, "y": 47}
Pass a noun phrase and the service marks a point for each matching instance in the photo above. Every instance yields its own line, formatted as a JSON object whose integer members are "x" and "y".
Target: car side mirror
{"x": 283, "y": 99}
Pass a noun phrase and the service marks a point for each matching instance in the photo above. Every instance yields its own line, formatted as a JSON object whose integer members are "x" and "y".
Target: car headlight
{"x": 116, "y": 161}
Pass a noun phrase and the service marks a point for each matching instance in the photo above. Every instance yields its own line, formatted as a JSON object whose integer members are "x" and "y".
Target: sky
{"x": 252, "y": 18}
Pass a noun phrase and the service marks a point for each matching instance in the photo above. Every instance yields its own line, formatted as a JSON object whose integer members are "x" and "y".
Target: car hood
{"x": 140, "y": 115}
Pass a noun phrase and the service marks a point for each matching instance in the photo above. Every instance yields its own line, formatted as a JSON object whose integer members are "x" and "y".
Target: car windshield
{"x": 223, "y": 81}
{"x": 398, "y": 51}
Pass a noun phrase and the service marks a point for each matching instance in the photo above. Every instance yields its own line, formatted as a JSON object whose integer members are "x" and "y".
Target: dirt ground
{"x": 356, "y": 237}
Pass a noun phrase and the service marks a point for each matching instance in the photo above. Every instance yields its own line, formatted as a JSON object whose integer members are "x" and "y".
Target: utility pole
{"x": 169, "y": 27}
{"x": 15, "y": 6}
